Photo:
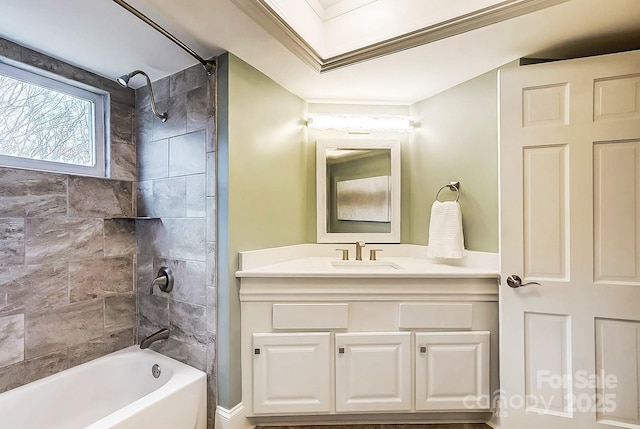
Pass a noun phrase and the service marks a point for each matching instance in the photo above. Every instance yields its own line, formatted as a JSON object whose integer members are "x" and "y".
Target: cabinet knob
{"x": 341, "y": 350}
{"x": 423, "y": 349}
{"x": 256, "y": 351}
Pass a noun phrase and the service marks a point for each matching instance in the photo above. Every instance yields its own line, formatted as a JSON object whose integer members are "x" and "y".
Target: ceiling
{"x": 350, "y": 51}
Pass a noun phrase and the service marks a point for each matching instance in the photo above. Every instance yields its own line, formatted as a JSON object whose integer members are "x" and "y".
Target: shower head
{"x": 124, "y": 82}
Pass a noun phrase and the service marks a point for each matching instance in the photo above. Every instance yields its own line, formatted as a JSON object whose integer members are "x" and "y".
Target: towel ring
{"x": 452, "y": 186}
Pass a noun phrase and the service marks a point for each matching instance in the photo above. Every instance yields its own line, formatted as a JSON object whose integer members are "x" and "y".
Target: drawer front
{"x": 436, "y": 316}
{"x": 310, "y": 316}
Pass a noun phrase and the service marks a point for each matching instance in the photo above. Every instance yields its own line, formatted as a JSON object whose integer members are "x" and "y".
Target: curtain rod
{"x": 209, "y": 66}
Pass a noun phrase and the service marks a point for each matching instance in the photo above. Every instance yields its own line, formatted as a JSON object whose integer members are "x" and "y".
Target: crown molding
{"x": 264, "y": 15}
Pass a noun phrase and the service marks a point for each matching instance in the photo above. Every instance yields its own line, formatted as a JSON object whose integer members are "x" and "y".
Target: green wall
{"x": 263, "y": 159}
{"x": 457, "y": 139}
{"x": 266, "y": 177}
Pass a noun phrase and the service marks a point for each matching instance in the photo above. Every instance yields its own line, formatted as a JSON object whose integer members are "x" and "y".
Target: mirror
{"x": 358, "y": 191}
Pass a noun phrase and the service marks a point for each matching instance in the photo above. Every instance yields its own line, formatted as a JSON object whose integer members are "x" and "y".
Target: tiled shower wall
{"x": 66, "y": 265}
{"x": 176, "y": 170}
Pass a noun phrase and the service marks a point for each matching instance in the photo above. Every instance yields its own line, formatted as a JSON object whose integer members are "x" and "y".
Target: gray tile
{"x": 188, "y": 79}
{"x": 119, "y": 311}
{"x": 95, "y": 278}
{"x": 10, "y": 50}
{"x": 211, "y": 174}
{"x": 211, "y": 309}
{"x": 21, "y": 373}
{"x": 108, "y": 343}
{"x": 11, "y": 241}
{"x": 211, "y": 219}
{"x": 121, "y": 123}
{"x": 119, "y": 237}
{"x": 187, "y": 154}
{"x": 153, "y": 313}
{"x": 212, "y": 376}
{"x": 187, "y": 239}
{"x": 195, "y": 200}
{"x": 29, "y": 288}
{"x": 44, "y": 62}
{"x": 189, "y": 280}
{"x": 176, "y": 124}
{"x": 153, "y": 237}
{"x": 210, "y": 274}
{"x": 199, "y": 109}
{"x": 143, "y": 125}
{"x": 144, "y": 273}
{"x": 123, "y": 161}
{"x": 11, "y": 339}
{"x": 107, "y": 197}
{"x": 188, "y": 322}
{"x": 168, "y": 198}
{"x": 160, "y": 89}
{"x": 25, "y": 193}
{"x": 144, "y": 198}
{"x": 59, "y": 239}
{"x": 162, "y": 198}
{"x": 194, "y": 355}
{"x": 153, "y": 159}
{"x": 64, "y": 327}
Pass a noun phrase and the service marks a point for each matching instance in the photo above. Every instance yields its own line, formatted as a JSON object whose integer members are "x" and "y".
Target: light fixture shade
{"x": 360, "y": 123}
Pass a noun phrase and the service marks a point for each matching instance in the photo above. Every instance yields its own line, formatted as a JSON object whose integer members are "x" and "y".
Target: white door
{"x": 570, "y": 220}
{"x": 452, "y": 370}
{"x": 373, "y": 371}
{"x": 291, "y": 373}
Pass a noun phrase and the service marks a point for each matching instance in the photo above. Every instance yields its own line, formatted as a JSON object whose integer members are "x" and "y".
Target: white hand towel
{"x": 445, "y": 231}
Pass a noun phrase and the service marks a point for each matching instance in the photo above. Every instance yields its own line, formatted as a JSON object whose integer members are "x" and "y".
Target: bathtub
{"x": 114, "y": 391}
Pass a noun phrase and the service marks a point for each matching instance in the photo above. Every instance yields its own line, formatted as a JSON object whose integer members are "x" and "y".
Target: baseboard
{"x": 232, "y": 419}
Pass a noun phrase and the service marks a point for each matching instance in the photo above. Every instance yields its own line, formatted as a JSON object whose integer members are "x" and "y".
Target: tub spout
{"x": 162, "y": 334}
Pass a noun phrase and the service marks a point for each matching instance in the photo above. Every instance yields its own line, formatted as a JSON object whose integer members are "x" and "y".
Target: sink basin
{"x": 365, "y": 265}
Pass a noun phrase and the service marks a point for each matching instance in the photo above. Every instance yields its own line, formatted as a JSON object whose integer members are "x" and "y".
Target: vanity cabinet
{"x": 452, "y": 370}
{"x": 291, "y": 373}
{"x": 373, "y": 371}
{"x": 367, "y": 347}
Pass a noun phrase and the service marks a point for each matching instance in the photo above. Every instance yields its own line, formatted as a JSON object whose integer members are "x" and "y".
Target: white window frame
{"x": 100, "y": 100}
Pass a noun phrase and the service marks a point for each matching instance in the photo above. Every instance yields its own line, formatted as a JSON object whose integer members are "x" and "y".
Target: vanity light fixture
{"x": 361, "y": 123}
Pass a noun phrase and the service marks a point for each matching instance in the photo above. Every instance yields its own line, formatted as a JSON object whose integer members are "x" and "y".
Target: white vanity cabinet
{"x": 373, "y": 371}
{"x": 291, "y": 373}
{"x": 338, "y": 348}
{"x": 452, "y": 370}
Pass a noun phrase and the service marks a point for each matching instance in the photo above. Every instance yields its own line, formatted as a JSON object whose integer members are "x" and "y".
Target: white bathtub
{"x": 114, "y": 391}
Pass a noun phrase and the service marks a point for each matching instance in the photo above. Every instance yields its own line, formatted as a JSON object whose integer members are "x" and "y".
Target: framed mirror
{"x": 358, "y": 191}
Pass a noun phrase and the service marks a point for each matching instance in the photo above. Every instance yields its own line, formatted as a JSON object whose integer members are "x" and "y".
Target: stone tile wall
{"x": 66, "y": 265}
{"x": 176, "y": 170}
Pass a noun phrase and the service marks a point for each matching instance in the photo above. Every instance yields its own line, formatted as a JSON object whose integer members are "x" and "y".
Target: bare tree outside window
{"x": 43, "y": 124}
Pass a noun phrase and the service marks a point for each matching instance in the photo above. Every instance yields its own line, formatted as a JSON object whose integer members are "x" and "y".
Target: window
{"x": 47, "y": 124}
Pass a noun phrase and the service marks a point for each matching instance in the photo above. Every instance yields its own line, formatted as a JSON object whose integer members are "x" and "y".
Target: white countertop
{"x": 400, "y": 261}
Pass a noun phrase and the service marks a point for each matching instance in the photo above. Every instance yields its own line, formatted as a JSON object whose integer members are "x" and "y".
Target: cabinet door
{"x": 373, "y": 372}
{"x": 291, "y": 373}
{"x": 452, "y": 371}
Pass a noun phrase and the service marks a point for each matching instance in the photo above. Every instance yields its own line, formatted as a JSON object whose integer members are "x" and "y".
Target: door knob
{"x": 515, "y": 281}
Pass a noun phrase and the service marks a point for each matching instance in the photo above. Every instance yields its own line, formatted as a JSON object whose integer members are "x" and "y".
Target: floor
{"x": 400, "y": 426}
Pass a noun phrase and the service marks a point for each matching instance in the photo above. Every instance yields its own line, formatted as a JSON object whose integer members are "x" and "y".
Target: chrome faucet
{"x": 359, "y": 246}
{"x": 162, "y": 334}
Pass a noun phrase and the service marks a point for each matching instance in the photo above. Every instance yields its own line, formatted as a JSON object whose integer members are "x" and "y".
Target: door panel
{"x": 545, "y": 218}
{"x": 618, "y": 352}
